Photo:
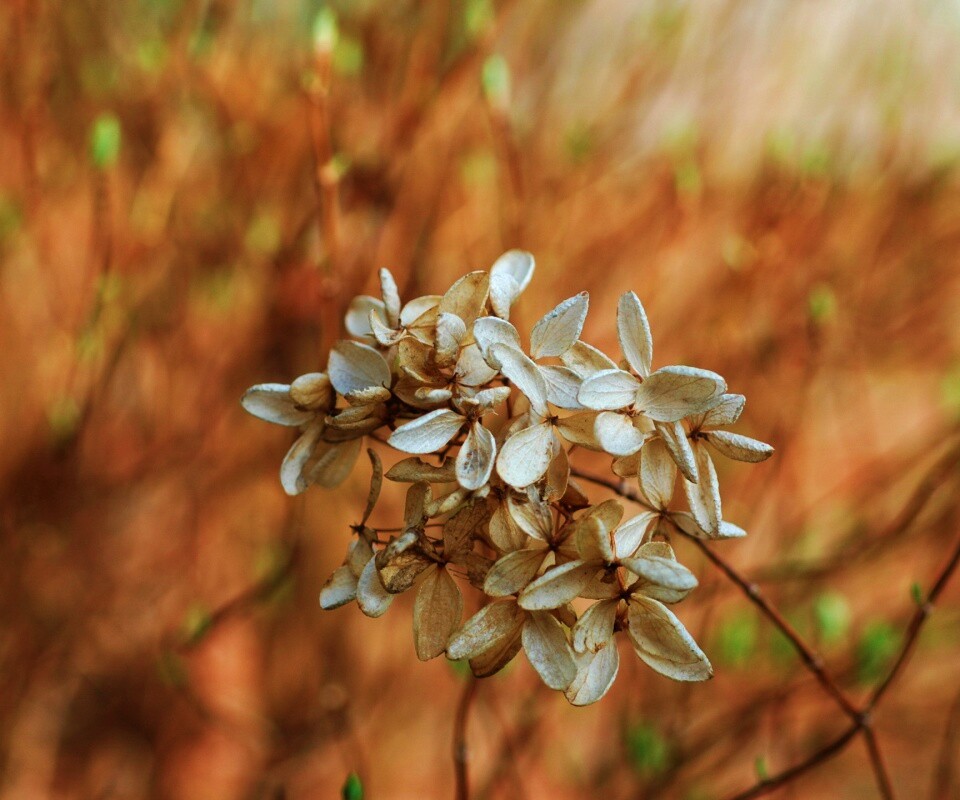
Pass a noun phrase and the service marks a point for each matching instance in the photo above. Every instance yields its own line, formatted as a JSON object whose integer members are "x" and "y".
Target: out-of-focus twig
{"x": 460, "y": 752}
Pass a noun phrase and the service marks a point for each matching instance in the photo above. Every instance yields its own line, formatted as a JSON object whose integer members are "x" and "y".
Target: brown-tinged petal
{"x": 672, "y": 393}
{"x": 524, "y": 374}
{"x": 368, "y": 396}
{"x": 391, "y": 297}
{"x": 467, "y": 297}
{"x": 497, "y": 657}
{"x": 586, "y": 360}
{"x": 476, "y": 457}
{"x": 359, "y": 554}
{"x": 313, "y": 391}
{"x": 686, "y": 523}
{"x": 609, "y": 390}
{"x": 451, "y": 330}
{"x": 463, "y": 527}
{"x": 400, "y": 563}
{"x": 740, "y": 448}
{"x": 617, "y": 434}
{"x": 512, "y": 573}
{"x": 726, "y": 412}
{"x": 532, "y": 516}
{"x": 291, "y": 470}
{"x": 630, "y": 535}
{"x": 272, "y": 402}
{"x": 372, "y": 597}
{"x": 548, "y": 650}
{"x": 525, "y": 456}
{"x": 594, "y": 629}
{"x": 413, "y": 470}
{"x": 558, "y": 473}
{"x": 563, "y": 385}
{"x": 704, "y": 495}
{"x": 658, "y": 474}
{"x": 557, "y": 586}
{"x": 505, "y": 534}
{"x": 661, "y": 641}
{"x": 666, "y": 572}
{"x": 354, "y": 366}
{"x": 421, "y": 311}
{"x": 436, "y": 613}
{"x": 428, "y": 433}
{"x": 580, "y": 429}
{"x": 594, "y": 540}
{"x": 626, "y": 466}
{"x": 488, "y": 331}
{"x": 633, "y": 330}
{"x": 335, "y": 464}
{"x": 376, "y": 484}
{"x": 415, "y": 511}
{"x": 495, "y": 623}
{"x": 596, "y": 673}
{"x": 608, "y": 514}
{"x": 558, "y": 330}
{"x": 340, "y": 589}
{"x": 675, "y": 438}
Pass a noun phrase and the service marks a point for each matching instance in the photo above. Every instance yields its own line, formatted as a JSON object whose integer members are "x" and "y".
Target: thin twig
{"x": 880, "y": 771}
{"x": 460, "y": 754}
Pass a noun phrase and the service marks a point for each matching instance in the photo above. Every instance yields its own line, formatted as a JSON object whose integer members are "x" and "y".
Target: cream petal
{"x": 512, "y": 573}
{"x": 704, "y": 495}
{"x": 532, "y": 516}
{"x": 437, "y": 612}
{"x": 492, "y": 624}
{"x": 372, "y": 597}
{"x": 557, "y": 586}
{"x": 594, "y": 630}
{"x": 609, "y": 390}
{"x": 467, "y": 297}
{"x": 630, "y": 535}
{"x": 488, "y": 331}
{"x": 633, "y": 330}
{"x": 658, "y": 474}
{"x": 596, "y": 673}
{"x": 291, "y": 470}
{"x": 672, "y": 393}
{"x": 354, "y": 366}
{"x": 675, "y": 439}
{"x": 357, "y": 320}
{"x": 272, "y": 402}
{"x": 503, "y": 292}
{"x": 525, "y": 456}
{"x": 617, "y": 434}
{"x": 420, "y": 311}
{"x": 451, "y": 330}
{"x": 428, "y": 433}
{"x": 586, "y": 360}
{"x": 548, "y": 650}
{"x": 518, "y": 264}
{"x": 726, "y": 412}
{"x": 476, "y": 457}
{"x": 594, "y": 540}
{"x": 661, "y": 571}
{"x": 313, "y": 391}
{"x": 391, "y": 297}
{"x": 504, "y": 532}
{"x": 340, "y": 589}
{"x": 563, "y": 385}
{"x": 740, "y": 448}
{"x": 580, "y": 429}
{"x": 524, "y": 374}
{"x": 686, "y": 523}
{"x": 472, "y": 369}
{"x": 661, "y": 641}
{"x": 558, "y": 330}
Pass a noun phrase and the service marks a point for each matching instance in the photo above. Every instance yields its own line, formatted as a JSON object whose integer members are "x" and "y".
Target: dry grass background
{"x": 777, "y": 181}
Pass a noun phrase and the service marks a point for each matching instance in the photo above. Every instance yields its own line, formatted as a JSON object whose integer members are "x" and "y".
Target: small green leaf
{"x": 737, "y": 639}
{"x": 461, "y": 667}
{"x": 760, "y": 767}
{"x": 647, "y": 751}
{"x": 325, "y": 30}
{"x": 348, "y": 56}
{"x": 821, "y": 304}
{"x": 105, "y": 137}
{"x": 916, "y": 592}
{"x": 196, "y": 623}
{"x": 875, "y": 651}
{"x": 496, "y": 81}
{"x": 477, "y": 17}
{"x": 352, "y": 788}
{"x": 831, "y": 612}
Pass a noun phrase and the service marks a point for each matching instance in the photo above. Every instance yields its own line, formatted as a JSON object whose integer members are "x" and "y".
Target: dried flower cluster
{"x": 494, "y": 503}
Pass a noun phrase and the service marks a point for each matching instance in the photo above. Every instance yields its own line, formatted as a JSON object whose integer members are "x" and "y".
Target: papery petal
{"x": 504, "y": 532}
{"x": 558, "y": 586}
{"x": 558, "y": 330}
{"x": 524, "y": 374}
{"x": 726, "y": 412}
{"x": 617, "y": 434}
{"x": 594, "y": 540}
{"x": 558, "y": 473}
{"x": 594, "y": 629}
{"x": 413, "y": 469}
{"x": 373, "y": 599}
{"x": 436, "y": 613}
{"x": 586, "y": 360}
{"x": 672, "y": 393}
{"x": 675, "y": 439}
{"x": 658, "y": 474}
{"x": 580, "y": 429}
{"x": 467, "y": 297}
{"x": 476, "y": 457}
{"x": 512, "y": 573}
{"x": 419, "y": 311}
{"x": 357, "y": 320}
{"x": 740, "y": 448}
{"x": 472, "y": 369}
{"x": 488, "y": 331}
{"x": 291, "y": 470}
{"x": 494, "y": 623}
{"x": 533, "y": 517}
{"x": 428, "y": 433}
{"x": 633, "y": 331}
{"x": 518, "y": 264}
{"x": 548, "y": 650}
{"x": 704, "y": 495}
{"x": 630, "y": 534}
{"x": 272, "y": 402}
{"x": 492, "y": 397}
{"x": 340, "y": 589}
{"x": 400, "y": 563}
{"x": 563, "y": 385}
{"x": 686, "y": 523}
{"x": 391, "y": 297}
{"x": 463, "y": 527}
{"x": 609, "y": 390}
{"x": 661, "y": 571}
{"x": 335, "y": 464}
{"x": 451, "y": 330}
{"x": 596, "y": 673}
{"x": 354, "y": 366}
{"x": 525, "y": 456}
{"x": 661, "y": 641}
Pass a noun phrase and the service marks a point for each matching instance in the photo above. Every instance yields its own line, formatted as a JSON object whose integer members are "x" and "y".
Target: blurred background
{"x": 190, "y": 193}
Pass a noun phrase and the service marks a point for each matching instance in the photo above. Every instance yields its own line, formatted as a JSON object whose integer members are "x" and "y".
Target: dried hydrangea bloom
{"x": 486, "y": 427}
